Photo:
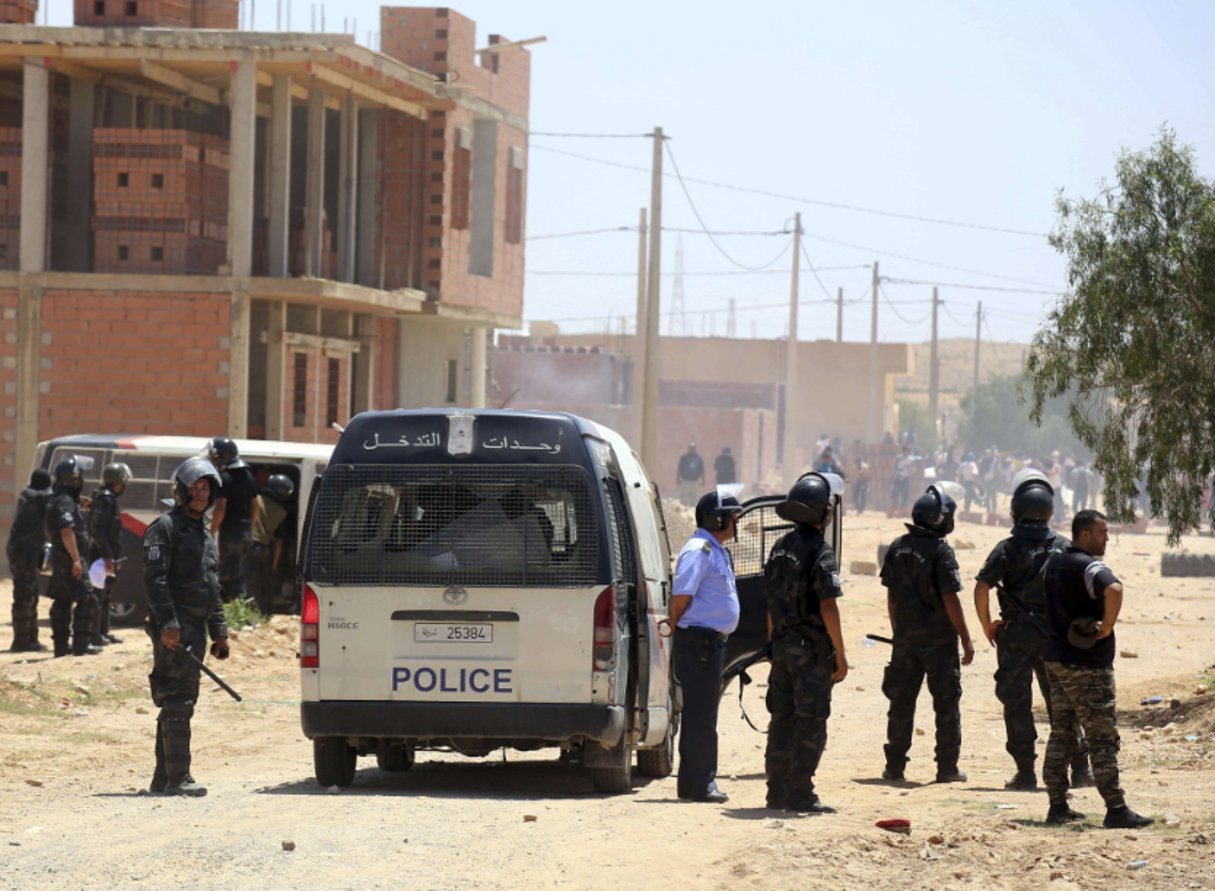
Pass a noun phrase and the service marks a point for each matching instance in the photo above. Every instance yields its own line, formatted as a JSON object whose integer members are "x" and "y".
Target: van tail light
{"x": 310, "y": 619}
{"x": 603, "y": 653}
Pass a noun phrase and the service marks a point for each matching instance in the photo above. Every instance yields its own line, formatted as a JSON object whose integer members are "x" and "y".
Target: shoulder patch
{"x": 154, "y": 552}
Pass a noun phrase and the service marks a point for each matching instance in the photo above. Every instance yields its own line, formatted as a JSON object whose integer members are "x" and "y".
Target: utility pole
{"x": 978, "y": 323}
{"x": 839, "y": 315}
{"x": 639, "y": 325}
{"x": 649, "y": 408}
{"x": 875, "y": 405}
{"x": 789, "y": 442}
{"x": 934, "y": 372}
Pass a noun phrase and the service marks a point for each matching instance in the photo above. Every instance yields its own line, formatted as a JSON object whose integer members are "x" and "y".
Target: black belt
{"x": 704, "y": 632}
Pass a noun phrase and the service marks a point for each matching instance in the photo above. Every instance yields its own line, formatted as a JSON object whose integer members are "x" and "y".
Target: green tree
{"x": 995, "y": 413}
{"x": 914, "y": 416}
{"x": 1133, "y": 341}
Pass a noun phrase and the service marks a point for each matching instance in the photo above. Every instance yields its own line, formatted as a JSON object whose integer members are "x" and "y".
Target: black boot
{"x": 1060, "y": 813}
{"x": 1025, "y": 780}
{"x": 950, "y": 774}
{"x": 811, "y": 805}
{"x": 1122, "y": 817}
{"x": 175, "y": 721}
{"x": 159, "y": 778}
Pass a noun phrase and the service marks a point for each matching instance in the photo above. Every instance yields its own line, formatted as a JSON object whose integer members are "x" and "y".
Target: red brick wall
{"x": 443, "y": 42}
{"x": 126, "y": 362}
{"x": 384, "y": 394}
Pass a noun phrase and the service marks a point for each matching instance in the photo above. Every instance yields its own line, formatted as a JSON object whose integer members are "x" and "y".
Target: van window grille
{"x": 623, "y": 566}
{"x": 758, "y": 531}
{"x": 418, "y": 524}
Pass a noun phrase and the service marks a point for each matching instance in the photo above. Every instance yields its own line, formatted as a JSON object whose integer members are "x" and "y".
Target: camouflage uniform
{"x": 918, "y": 571}
{"x": 73, "y": 601}
{"x": 180, "y": 577}
{"x": 1082, "y": 680}
{"x": 801, "y": 571}
{"x": 24, "y": 550}
{"x": 105, "y": 533}
{"x": 1014, "y": 568}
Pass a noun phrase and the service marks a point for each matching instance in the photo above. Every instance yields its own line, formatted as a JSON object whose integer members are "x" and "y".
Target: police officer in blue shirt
{"x": 704, "y": 610}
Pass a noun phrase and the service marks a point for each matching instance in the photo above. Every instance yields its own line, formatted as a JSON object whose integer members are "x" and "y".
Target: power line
{"x": 576, "y": 273}
{"x": 707, "y": 311}
{"x": 899, "y": 315}
{"x": 705, "y": 228}
{"x": 592, "y": 135}
{"x": 969, "y": 287}
{"x": 814, "y": 271}
{"x": 802, "y": 200}
{"x": 581, "y": 232}
{"x": 952, "y": 317}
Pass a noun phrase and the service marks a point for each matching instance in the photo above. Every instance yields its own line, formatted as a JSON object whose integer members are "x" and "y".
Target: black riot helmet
{"x": 1033, "y": 498}
{"x": 280, "y": 486}
{"x": 223, "y": 451}
{"x": 40, "y": 479}
{"x": 115, "y": 474}
{"x": 68, "y": 475}
{"x": 713, "y": 511}
{"x": 809, "y": 501}
{"x": 189, "y": 472}
{"x": 934, "y": 511}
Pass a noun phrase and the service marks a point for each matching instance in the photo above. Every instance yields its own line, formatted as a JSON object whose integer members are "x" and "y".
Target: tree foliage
{"x": 995, "y": 413}
{"x": 914, "y": 416}
{"x": 1134, "y": 339}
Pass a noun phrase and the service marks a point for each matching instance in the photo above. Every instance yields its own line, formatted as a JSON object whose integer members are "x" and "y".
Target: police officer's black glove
{"x": 219, "y": 648}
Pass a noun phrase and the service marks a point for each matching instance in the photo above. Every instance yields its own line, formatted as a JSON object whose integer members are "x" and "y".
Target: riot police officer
{"x": 922, "y": 582}
{"x": 704, "y": 610}
{"x": 1014, "y": 568}
{"x": 105, "y": 542}
{"x": 180, "y": 565}
{"x": 235, "y": 515}
{"x": 73, "y": 601}
{"x": 26, "y": 540}
{"x": 267, "y": 549}
{"x": 802, "y": 584}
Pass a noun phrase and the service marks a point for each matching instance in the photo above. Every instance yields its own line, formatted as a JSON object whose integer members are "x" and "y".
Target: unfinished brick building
{"x": 213, "y": 231}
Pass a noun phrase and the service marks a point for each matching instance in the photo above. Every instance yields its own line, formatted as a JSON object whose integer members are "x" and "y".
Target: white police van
{"x": 484, "y": 579}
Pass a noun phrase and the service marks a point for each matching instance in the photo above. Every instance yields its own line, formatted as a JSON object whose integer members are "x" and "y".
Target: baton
{"x": 880, "y": 639}
{"x": 212, "y": 675}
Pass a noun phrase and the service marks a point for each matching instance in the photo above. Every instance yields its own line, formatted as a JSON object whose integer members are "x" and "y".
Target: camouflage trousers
{"x": 799, "y": 702}
{"x": 1020, "y": 658}
{"x": 25, "y": 598}
{"x": 233, "y": 554}
{"x": 910, "y": 663}
{"x": 174, "y": 684}
{"x": 73, "y": 609}
{"x": 1082, "y": 699}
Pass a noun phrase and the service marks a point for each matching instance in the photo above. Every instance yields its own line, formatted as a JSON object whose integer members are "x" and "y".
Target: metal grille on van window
{"x": 454, "y": 525}
{"x": 758, "y": 531}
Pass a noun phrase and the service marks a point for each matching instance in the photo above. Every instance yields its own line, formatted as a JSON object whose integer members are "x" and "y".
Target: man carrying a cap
{"x": 1083, "y": 599}
{"x": 704, "y": 610}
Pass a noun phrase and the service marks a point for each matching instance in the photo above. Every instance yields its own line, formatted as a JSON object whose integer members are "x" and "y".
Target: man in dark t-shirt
{"x": 1083, "y": 599}
{"x": 234, "y": 517}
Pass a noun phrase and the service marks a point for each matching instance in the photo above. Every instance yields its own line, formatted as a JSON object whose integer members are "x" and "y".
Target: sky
{"x": 882, "y": 123}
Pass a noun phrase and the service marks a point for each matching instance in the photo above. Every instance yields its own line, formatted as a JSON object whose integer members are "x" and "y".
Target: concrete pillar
{"x": 348, "y": 175}
{"x": 477, "y": 367}
{"x": 363, "y": 363}
{"x": 279, "y": 211}
{"x": 242, "y": 137}
{"x": 35, "y": 174}
{"x": 35, "y": 165}
{"x": 276, "y": 369}
{"x": 367, "y": 229}
{"x": 314, "y": 206}
{"x": 78, "y": 239}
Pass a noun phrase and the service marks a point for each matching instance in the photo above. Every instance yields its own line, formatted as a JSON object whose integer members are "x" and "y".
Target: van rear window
{"x": 443, "y": 525}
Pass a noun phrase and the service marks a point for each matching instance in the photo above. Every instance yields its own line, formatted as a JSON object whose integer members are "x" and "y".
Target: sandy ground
{"x": 76, "y": 749}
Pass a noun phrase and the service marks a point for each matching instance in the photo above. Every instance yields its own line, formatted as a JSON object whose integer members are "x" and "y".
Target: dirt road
{"x": 76, "y": 739}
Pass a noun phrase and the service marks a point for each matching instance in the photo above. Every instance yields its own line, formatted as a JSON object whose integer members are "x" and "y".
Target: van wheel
{"x": 126, "y": 614}
{"x": 394, "y": 758}
{"x": 614, "y": 772}
{"x": 660, "y": 761}
{"x": 333, "y": 761}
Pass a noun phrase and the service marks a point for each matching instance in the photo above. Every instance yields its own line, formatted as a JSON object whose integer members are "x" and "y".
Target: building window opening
{"x": 99, "y": 7}
{"x": 123, "y": 252}
{"x": 124, "y": 180}
{"x": 3, "y": 178}
{"x": 132, "y": 7}
{"x": 299, "y": 391}
{"x": 158, "y": 180}
{"x": 332, "y": 391}
{"x": 158, "y": 254}
{"x": 452, "y": 379}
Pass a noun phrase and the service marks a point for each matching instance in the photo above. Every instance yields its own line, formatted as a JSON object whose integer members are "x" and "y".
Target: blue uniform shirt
{"x": 704, "y": 573}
